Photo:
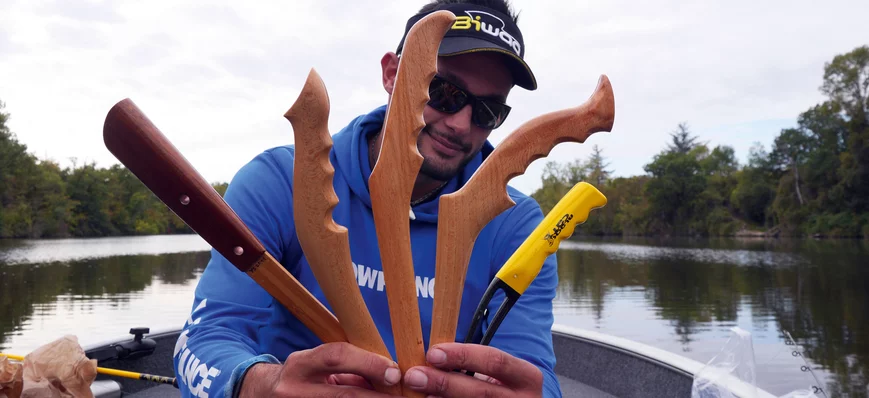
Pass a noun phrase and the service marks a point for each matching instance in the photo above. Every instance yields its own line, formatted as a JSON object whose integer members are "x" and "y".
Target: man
{"x": 237, "y": 335}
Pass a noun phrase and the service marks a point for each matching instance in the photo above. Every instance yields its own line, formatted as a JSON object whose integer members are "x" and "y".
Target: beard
{"x": 439, "y": 168}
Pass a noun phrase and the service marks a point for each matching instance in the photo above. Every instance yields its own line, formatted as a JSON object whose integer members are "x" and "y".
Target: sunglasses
{"x": 446, "y": 97}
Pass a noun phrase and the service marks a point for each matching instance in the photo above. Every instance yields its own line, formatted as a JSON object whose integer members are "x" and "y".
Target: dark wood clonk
{"x": 149, "y": 155}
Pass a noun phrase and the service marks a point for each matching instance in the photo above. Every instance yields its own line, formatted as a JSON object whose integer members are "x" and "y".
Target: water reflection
{"x": 53, "y": 250}
{"x": 38, "y": 301}
{"x": 681, "y": 295}
{"x": 814, "y": 290}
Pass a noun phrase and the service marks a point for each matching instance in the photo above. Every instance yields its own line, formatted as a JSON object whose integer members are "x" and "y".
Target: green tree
{"x": 553, "y": 187}
{"x": 597, "y": 168}
{"x": 721, "y": 162}
{"x": 827, "y": 133}
{"x": 51, "y": 206}
{"x": 677, "y": 181}
{"x": 626, "y": 199}
{"x": 88, "y": 188}
{"x": 39, "y": 199}
{"x": 790, "y": 150}
{"x": 220, "y": 187}
{"x": 846, "y": 82}
{"x": 753, "y": 193}
{"x": 712, "y": 209}
{"x": 683, "y": 141}
{"x": 17, "y": 171}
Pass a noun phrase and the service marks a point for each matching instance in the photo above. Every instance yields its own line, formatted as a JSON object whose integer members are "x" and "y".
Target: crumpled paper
{"x": 59, "y": 369}
{"x": 11, "y": 379}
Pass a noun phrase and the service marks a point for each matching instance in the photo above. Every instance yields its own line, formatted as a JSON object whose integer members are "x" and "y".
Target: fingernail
{"x": 416, "y": 379}
{"x": 392, "y": 376}
{"x": 436, "y": 356}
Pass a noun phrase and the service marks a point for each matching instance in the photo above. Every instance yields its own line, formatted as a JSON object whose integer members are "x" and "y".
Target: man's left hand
{"x": 497, "y": 374}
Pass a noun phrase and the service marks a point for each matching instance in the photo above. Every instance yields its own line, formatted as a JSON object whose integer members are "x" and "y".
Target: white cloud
{"x": 216, "y": 77}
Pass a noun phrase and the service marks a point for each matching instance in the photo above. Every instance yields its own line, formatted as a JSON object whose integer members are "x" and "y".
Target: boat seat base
{"x": 573, "y": 389}
{"x": 162, "y": 391}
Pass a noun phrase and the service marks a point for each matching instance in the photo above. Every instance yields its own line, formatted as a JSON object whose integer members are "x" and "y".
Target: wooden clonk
{"x": 391, "y": 182}
{"x": 325, "y": 243}
{"x": 484, "y": 196}
{"x": 147, "y": 153}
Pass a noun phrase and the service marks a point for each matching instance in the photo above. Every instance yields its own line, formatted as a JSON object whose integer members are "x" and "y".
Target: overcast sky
{"x": 217, "y": 76}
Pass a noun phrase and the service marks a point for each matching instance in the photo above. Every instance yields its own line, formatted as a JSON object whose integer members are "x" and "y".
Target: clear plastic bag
{"x": 731, "y": 373}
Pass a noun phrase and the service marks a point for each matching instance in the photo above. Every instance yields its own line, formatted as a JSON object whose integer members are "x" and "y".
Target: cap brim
{"x": 522, "y": 75}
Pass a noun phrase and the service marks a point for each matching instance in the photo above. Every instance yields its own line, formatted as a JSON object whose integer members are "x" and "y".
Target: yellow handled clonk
{"x": 573, "y": 209}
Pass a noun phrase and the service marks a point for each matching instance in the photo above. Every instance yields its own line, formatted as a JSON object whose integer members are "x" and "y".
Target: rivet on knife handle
{"x": 393, "y": 177}
{"x": 325, "y": 243}
{"x": 147, "y": 153}
{"x": 485, "y": 196}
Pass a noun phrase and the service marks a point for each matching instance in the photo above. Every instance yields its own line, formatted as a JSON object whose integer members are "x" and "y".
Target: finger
{"x": 447, "y": 384}
{"x": 326, "y": 390}
{"x": 509, "y": 370}
{"x": 332, "y": 358}
{"x": 488, "y": 379}
{"x": 346, "y": 379}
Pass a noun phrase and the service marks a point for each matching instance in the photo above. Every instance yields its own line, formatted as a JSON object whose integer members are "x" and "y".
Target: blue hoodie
{"x": 235, "y": 323}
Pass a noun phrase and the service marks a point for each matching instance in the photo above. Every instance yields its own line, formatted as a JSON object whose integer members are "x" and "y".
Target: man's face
{"x": 449, "y": 141}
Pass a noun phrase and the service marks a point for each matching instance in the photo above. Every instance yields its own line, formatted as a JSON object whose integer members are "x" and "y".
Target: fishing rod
{"x": 119, "y": 373}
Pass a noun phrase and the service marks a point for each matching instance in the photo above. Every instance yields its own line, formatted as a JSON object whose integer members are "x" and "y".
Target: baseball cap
{"x": 479, "y": 28}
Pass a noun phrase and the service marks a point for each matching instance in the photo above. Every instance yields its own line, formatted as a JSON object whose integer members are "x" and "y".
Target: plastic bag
{"x": 731, "y": 373}
{"x": 59, "y": 369}
{"x": 10, "y": 378}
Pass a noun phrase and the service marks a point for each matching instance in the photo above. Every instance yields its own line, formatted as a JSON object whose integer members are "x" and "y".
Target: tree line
{"x": 813, "y": 180}
{"x": 39, "y": 199}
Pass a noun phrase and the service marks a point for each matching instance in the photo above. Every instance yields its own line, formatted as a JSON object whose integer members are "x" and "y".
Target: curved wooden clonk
{"x": 325, "y": 243}
{"x": 391, "y": 182}
{"x": 469, "y": 209}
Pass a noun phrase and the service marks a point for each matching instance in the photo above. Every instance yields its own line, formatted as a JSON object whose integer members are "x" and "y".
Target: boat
{"x": 589, "y": 364}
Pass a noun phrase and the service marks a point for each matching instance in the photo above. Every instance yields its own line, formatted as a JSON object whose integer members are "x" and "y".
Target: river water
{"x": 678, "y": 295}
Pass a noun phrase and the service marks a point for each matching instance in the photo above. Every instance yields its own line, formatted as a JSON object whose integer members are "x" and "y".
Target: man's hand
{"x": 498, "y": 374}
{"x": 328, "y": 370}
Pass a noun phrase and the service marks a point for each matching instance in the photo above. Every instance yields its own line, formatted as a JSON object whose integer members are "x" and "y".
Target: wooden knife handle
{"x": 280, "y": 283}
{"x": 149, "y": 155}
{"x": 485, "y": 196}
{"x": 325, "y": 243}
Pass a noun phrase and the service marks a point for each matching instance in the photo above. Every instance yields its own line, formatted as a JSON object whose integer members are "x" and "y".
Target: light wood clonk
{"x": 325, "y": 243}
{"x": 484, "y": 196}
{"x": 392, "y": 180}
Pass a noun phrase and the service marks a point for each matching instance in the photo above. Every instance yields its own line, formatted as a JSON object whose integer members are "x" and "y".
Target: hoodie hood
{"x": 350, "y": 158}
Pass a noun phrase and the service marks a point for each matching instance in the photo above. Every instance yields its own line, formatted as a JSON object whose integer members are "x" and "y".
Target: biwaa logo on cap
{"x": 482, "y": 21}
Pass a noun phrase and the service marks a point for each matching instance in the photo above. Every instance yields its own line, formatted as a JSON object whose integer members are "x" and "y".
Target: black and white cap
{"x": 480, "y": 28}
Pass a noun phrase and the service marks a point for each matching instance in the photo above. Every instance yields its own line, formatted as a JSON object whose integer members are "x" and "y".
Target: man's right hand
{"x": 327, "y": 370}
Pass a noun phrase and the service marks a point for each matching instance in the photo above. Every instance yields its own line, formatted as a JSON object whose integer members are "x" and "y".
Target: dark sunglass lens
{"x": 490, "y": 115}
{"x": 446, "y": 97}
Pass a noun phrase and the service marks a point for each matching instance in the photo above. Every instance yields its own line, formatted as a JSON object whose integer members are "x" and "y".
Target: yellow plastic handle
{"x": 573, "y": 209}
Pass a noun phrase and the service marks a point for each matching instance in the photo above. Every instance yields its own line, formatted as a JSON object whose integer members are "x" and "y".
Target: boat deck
{"x": 571, "y": 389}
{"x": 589, "y": 364}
